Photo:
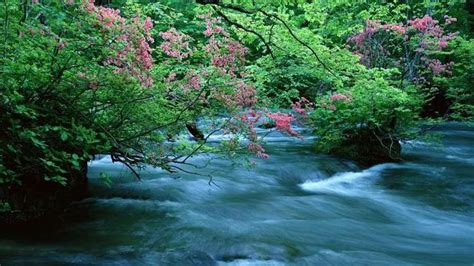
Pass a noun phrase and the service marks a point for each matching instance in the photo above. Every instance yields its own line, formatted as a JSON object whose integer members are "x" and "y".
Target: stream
{"x": 295, "y": 208}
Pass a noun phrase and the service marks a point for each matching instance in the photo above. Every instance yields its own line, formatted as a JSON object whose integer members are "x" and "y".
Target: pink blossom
{"x": 147, "y": 26}
{"x": 90, "y": 7}
{"x": 443, "y": 44}
{"x": 423, "y": 23}
{"x": 395, "y": 27}
{"x": 144, "y": 53}
{"x": 437, "y": 67}
{"x": 258, "y": 150}
{"x": 283, "y": 122}
{"x": 246, "y": 95}
{"x": 226, "y": 60}
{"x": 175, "y": 44}
{"x": 340, "y": 97}
{"x": 212, "y": 28}
{"x": 302, "y": 106}
{"x": 423, "y": 37}
{"x": 194, "y": 82}
{"x": 130, "y": 52}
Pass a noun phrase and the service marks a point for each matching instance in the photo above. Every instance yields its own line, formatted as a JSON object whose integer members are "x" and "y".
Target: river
{"x": 295, "y": 208}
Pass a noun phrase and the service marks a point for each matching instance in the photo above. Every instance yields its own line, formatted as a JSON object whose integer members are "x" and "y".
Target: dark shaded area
{"x": 368, "y": 149}
{"x": 40, "y": 202}
{"x": 194, "y": 130}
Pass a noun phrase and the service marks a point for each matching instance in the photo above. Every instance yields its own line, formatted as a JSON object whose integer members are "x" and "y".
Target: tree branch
{"x": 271, "y": 16}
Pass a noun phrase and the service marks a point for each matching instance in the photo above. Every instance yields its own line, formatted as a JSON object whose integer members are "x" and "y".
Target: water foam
{"x": 346, "y": 182}
{"x": 460, "y": 159}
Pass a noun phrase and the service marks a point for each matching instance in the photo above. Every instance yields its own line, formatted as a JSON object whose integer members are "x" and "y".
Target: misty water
{"x": 297, "y": 208}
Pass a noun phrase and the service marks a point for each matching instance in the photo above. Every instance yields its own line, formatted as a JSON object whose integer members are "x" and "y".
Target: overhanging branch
{"x": 269, "y": 15}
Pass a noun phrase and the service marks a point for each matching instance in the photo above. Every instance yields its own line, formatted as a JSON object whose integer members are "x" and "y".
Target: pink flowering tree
{"x": 210, "y": 79}
{"x": 78, "y": 79}
{"x": 414, "y": 47}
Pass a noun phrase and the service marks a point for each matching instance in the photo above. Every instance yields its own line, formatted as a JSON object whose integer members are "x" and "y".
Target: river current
{"x": 295, "y": 208}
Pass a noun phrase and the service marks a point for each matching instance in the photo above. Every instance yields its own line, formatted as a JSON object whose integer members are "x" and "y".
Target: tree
{"x": 82, "y": 80}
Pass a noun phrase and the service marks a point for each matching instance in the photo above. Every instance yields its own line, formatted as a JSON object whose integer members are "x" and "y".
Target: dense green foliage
{"x": 409, "y": 80}
{"x": 79, "y": 79}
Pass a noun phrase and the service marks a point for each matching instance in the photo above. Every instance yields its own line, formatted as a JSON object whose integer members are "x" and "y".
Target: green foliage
{"x": 59, "y": 104}
{"x": 459, "y": 86}
{"x": 372, "y": 104}
{"x": 106, "y": 179}
{"x": 4, "y": 207}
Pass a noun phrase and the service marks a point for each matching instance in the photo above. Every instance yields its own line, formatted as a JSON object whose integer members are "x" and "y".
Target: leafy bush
{"x": 367, "y": 120}
{"x": 458, "y": 86}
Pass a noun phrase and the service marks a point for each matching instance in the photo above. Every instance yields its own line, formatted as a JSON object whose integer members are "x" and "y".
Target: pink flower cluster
{"x": 171, "y": 77}
{"x": 423, "y": 24}
{"x": 429, "y": 27}
{"x": 258, "y": 150}
{"x": 422, "y": 37}
{"x": 248, "y": 120}
{"x": 340, "y": 97}
{"x": 365, "y": 47}
{"x": 130, "y": 51}
{"x": 226, "y": 55}
{"x": 212, "y": 26}
{"x": 245, "y": 95}
{"x": 437, "y": 67}
{"x": 360, "y": 38}
{"x": 193, "y": 81}
{"x": 147, "y": 27}
{"x": 224, "y": 76}
{"x": 108, "y": 16}
{"x": 283, "y": 122}
{"x": 226, "y": 61}
{"x": 302, "y": 106}
{"x": 395, "y": 27}
{"x": 175, "y": 44}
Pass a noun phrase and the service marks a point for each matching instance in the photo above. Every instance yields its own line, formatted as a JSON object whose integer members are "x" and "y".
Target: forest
{"x": 240, "y": 132}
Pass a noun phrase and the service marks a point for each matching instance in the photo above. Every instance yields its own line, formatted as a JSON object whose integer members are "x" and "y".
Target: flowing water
{"x": 296, "y": 208}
